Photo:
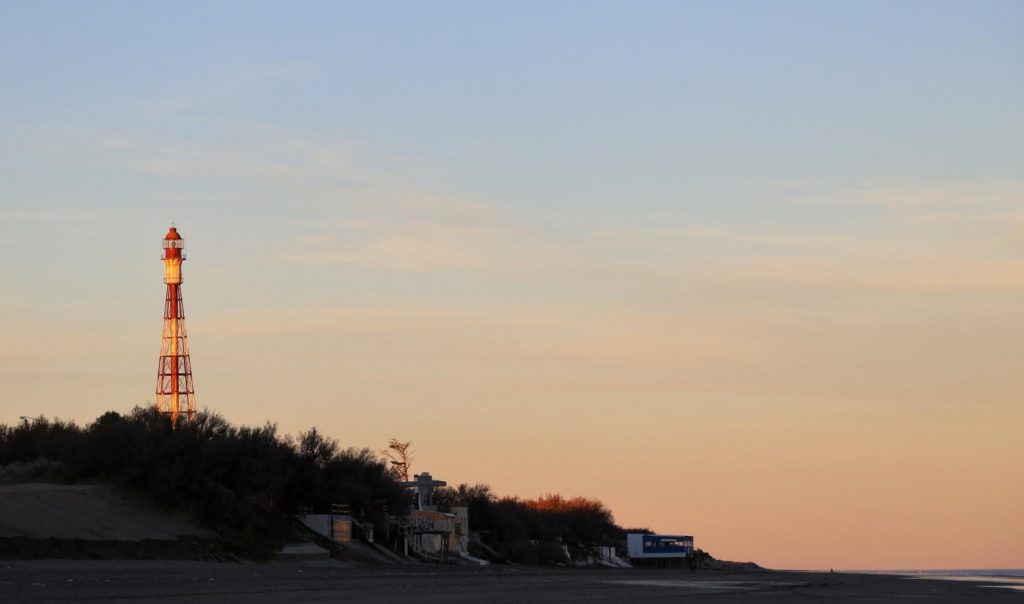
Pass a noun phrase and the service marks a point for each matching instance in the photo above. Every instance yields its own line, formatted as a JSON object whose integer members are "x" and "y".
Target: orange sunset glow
{"x": 752, "y": 274}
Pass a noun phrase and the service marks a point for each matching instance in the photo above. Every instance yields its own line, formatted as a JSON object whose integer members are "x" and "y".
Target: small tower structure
{"x": 175, "y": 395}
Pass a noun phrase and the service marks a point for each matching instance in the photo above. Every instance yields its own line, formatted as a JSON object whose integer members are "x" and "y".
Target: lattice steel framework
{"x": 175, "y": 394}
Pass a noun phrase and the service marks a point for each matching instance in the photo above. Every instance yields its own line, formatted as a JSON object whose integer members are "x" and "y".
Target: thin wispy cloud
{"x": 222, "y": 88}
{"x": 931, "y": 195}
{"x": 281, "y": 161}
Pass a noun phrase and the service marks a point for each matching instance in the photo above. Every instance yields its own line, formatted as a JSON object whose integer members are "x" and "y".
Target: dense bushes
{"x": 234, "y": 479}
{"x": 534, "y": 531}
{"x": 228, "y": 476}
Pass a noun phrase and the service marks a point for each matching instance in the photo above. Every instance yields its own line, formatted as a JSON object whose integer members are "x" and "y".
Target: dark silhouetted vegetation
{"x": 243, "y": 482}
{"x": 534, "y": 531}
{"x": 400, "y": 455}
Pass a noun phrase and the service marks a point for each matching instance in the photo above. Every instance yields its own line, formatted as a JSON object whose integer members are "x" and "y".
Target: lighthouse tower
{"x": 174, "y": 393}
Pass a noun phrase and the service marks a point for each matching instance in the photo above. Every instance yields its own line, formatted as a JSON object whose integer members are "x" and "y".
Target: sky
{"x": 748, "y": 271}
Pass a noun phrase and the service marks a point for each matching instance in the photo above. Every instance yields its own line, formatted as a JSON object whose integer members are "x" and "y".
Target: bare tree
{"x": 400, "y": 455}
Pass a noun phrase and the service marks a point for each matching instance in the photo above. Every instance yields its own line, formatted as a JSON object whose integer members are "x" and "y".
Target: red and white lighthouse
{"x": 175, "y": 395}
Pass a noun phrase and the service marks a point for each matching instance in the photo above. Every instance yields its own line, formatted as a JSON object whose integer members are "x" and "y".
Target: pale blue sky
{"x": 780, "y": 224}
{"x": 576, "y": 105}
{"x": 588, "y": 114}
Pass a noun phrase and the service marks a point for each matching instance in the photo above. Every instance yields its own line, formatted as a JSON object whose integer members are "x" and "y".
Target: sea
{"x": 1005, "y": 578}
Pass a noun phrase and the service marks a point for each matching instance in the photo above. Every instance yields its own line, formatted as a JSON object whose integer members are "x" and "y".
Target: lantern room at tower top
{"x": 174, "y": 254}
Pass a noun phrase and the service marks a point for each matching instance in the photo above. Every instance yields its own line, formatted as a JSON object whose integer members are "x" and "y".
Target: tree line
{"x": 233, "y": 479}
{"x": 534, "y": 531}
{"x": 245, "y": 482}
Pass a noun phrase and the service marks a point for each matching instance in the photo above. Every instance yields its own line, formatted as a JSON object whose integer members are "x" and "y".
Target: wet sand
{"x": 328, "y": 581}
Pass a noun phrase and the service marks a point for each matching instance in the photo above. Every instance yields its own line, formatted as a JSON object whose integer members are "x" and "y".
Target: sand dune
{"x": 44, "y": 511}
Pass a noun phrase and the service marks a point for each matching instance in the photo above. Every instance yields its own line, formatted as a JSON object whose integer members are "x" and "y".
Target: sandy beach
{"x": 327, "y": 581}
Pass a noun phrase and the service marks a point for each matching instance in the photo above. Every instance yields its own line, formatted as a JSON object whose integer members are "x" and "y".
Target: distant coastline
{"x": 1006, "y": 578}
{"x": 1002, "y": 578}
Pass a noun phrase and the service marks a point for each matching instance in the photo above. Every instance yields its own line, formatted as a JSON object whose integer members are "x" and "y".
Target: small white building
{"x": 642, "y": 546}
